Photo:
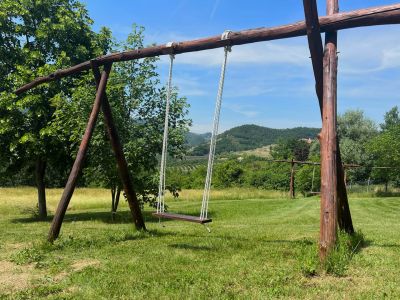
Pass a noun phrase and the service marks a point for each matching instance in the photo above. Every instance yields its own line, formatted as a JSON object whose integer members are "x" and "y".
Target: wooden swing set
{"x": 335, "y": 210}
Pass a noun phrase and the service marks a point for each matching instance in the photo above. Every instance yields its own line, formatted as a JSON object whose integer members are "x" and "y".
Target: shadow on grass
{"x": 373, "y": 244}
{"x": 190, "y": 247}
{"x": 123, "y": 217}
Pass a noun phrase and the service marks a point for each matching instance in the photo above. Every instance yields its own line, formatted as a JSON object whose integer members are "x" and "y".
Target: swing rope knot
{"x": 225, "y": 37}
{"x": 171, "y": 49}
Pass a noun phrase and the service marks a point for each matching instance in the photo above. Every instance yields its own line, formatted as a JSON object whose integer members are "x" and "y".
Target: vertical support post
{"x": 328, "y": 140}
{"x": 291, "y": 188}
{"x": 116, "y": 145}
{"x": 78, "y": 164}
{"x": 315, "y": 45}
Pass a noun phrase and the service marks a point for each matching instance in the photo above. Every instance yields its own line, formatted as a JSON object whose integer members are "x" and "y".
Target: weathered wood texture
{"x": 315, "y": 45}
{"x": 180, "y": 217}
{"x": 78, "y": 164}
{"x": 329, "y": 204}
{"x": 382, "y": 15}
{"x": 123, "y": 170}
{"x": 345, "y": 220}
{"x": 291, "y": 188}
{"x": 316, "y": 51}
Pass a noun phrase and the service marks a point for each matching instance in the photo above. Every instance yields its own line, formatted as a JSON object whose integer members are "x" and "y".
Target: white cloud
{"x": 189, "y": 86}
{"x": 246, "y": 110}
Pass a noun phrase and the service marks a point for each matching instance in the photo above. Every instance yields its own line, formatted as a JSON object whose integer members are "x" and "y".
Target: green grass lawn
{"x": 257, "y": 249}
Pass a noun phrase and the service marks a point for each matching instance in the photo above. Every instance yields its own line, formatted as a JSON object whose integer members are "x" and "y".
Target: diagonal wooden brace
{"x": 120, "y": 157}
{"x": 80, "y": 157}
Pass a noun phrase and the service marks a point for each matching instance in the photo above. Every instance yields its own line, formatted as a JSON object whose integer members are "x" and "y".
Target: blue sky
{"x": 269, "y": 83}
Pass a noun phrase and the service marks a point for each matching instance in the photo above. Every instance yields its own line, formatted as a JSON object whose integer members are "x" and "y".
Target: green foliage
{"x": 138, "y": 106}
{"x": 40, "y": 37}
{"x": 384, "y": 149}
{"x": 228, "y": 174}
{"x": 291, "y": 149}
{"x": 304, "y": 181}
{"x": 392, "y": 119}
{"x": 234, "y": 172}
{"x": 338, "y": 259}
{"x": 355, "y": 131}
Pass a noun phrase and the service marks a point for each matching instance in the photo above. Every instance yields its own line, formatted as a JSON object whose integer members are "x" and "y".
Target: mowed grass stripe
{"x": 256, "y": 249}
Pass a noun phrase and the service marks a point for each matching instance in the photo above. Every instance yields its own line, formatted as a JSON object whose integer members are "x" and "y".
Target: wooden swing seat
{"x": 180, "y": 217}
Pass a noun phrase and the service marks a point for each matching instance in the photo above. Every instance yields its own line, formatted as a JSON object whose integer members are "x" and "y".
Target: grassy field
{"x": 257, "y": 249}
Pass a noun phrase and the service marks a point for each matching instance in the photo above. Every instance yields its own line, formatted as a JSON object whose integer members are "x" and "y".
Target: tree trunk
{"x": 41, "y": 187}
{"x": 386, "y": 187}
{"x": 112, "y": 198}
{"x": 115, "y": 195}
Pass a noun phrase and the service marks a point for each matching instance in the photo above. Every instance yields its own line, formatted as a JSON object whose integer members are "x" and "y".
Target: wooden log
{"x": 315, "y": 45}
{"x": 382, "y": 15}
{"x": 123, "y": 170}
{"x": 329, "y": 204}
{"x": 291, "y": 189}
{"x": 344, "y": 216}
{"x": 78, "y": 164}
{"x": 316, "y": 51}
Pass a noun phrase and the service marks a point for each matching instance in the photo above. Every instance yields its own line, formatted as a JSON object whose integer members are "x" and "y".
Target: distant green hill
{"x": 195, "y": 139}
{"x": 248, "y": 137}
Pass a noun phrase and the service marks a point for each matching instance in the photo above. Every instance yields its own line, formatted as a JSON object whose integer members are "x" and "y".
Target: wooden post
{"x": 329, "y": 205}
{"x": 291, "y": 189}
{"x": 316, "y": 50}
{"x": 78, "y": 164}
{"x": 119, "y": 155}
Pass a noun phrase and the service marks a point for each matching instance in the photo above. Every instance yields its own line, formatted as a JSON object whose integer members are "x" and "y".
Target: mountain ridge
{"x": 248, "y": 137}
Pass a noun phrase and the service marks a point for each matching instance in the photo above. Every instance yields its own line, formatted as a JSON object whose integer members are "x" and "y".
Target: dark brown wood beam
{"x": 382, "y": 15}
{"x": 123, "y": 170}
{"x": 315, "y": 45}
{"x": 80, "y": 157}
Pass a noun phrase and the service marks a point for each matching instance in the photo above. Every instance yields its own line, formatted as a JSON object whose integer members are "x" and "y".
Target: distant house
{"x": 307, "y": 140}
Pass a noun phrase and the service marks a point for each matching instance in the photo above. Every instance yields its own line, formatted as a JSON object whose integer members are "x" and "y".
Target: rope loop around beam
{"x": 171, "y": 49}
{"x": 225, "y": 37}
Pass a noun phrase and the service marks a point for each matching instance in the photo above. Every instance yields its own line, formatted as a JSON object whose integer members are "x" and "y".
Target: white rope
{"x": 164, "y": 153}
{"x": 211, "y": 155}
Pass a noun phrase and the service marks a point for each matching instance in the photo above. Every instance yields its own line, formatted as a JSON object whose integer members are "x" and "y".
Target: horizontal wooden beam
{"x": 381, "y": 15}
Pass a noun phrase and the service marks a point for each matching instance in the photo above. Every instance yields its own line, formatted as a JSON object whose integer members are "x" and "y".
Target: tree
{"x": 228, "y": 174}
{"x": 355, "y": 131}
{"x": 392, "y": 119}
{"x": 385, "y": 149}
{"x": 291, "y": 148}
{"x": 138, "y": 106}
{"x": 38, "y": 38}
